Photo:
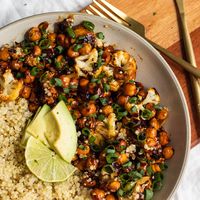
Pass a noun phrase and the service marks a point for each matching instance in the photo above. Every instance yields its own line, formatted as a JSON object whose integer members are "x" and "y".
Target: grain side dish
{"x": 122, "y": 145}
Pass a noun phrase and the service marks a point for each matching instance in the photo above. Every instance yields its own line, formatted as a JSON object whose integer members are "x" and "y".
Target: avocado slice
{"x": 61, "y": 131}
{"x": 36, "y": 128}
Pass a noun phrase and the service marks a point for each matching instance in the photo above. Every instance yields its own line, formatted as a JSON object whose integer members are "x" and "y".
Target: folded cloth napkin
{"x": 11, "y": 10}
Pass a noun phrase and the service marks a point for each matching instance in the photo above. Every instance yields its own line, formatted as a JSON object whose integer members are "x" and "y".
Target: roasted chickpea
{"x": 31, "y": 61}
{"x": 80, "y": 30}
{"x": 92, "y": 163}
{"x": 123, "y": 158}
{"x": 34, "y": 34}
{"x": 151, "y": 132}
{"x": 16, "y": 65}
{"x": 86, "y": 49}
{"x": 83, "y": 82}
{"x": 130, "y": 89}
{"x": 89, "y": 110}
{"x": 91, "y": 88}
{"x": 88, "y": 182}
{"x": 71, "y": 53}
{"x": 162, "y": 114}
{"x": 154, "y": 123}
{"x": 110, "y": 197}
{"x": 114, "y": 186}
{"x": 33, "y": 107}
{"x": 26, "y": 92}
{"x": 65, "y": 80}
{"x": 151, "y": 142}
{"x": 4, "y": 54}
{"x": 168, "y": 152}
{"x": 98, "y": 194}
{"x": 43, "y": 26}
{"x": 83, "y": 149}
{"x": 164, "y": 138}
{"x": 28, "y": 77}
{"x": 155, "y": 168}
{"x": 61, "y": 39}
{"x": 122, "y": 100}
{"x": 52, "y": 37}
{"x": 107, "y": 110}
{"x": 37, "y": 51}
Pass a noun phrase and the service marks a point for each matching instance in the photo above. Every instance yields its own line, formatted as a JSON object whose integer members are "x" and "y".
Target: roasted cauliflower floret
{"x": 85, "y": 63}
{"x": 120, "y": 58}
{"x": 152, "y": 97}
{"x": 9, "y": 86}
{"x": 126, "y": 62}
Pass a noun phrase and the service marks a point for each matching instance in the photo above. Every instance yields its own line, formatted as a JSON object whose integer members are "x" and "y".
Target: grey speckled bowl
{"x": 153, "y": 71}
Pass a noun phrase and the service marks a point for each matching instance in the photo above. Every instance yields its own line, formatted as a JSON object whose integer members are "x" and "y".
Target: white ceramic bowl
{"x": 153, "y": 71}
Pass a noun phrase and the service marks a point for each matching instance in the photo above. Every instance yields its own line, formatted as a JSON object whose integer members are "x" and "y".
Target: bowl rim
{"x": 155, "y": 53}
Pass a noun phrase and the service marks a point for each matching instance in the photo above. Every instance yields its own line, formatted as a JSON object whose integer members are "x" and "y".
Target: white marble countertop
{"x": 11, "y": 10}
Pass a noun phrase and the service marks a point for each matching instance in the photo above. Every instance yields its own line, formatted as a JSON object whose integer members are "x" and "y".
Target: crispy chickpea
{"x": 151, "y": 142}
{"x": 92, "y": 163}
{"x": 155, "y": 168}
{"x": 28, "y": 77}
{"x": 98, "y": 194}
{"x": 80, "y": 30}
{"x": 34, "y": 34}
{"x": 164, "y": 138}
{"x": 130, "y": 89}
{"x": 16, "y": 65}
{"x": 154, "y": 123}
{"x": 61, "y": 39}
{"x": 83, "y": 150}
{"x": 33, "y": 107}
{"x": 151, "y": 132}
{"x": 123, "y": 158}
{"x": 71, "y": 53}
{"x": 86, "y": 49}
{"x": 52, "y": 37}
{"x": 4, "y": 54}
{"x": 162, "y": 114}
{"x": 43, "y": 26}
{"x": 114, "y": 186}
{"x": 89, "y": 110}
{"x": 168, "y": 152}
{"x": 83, "y": 82}
{"x": 110, "y": 197}
{"x": 88, "y": 182}
{"x": 26, "y": 92}
{"x": 107, "y": 110}
{"x": 122, "y": 100}
{"x": 65, "y": 80}
{"x": 37, "y": 51}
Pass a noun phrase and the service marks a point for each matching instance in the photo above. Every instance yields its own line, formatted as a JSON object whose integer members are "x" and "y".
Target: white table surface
{"x": 11, "y": 10}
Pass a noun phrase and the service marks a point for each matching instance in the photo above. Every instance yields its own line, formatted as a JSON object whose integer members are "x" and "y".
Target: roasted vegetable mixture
{"x": 122, "y": 146}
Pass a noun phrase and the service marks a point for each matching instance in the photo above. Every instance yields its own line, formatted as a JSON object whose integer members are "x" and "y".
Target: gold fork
{"x": 189, "y": 54}
{"x": 106, "y": 10}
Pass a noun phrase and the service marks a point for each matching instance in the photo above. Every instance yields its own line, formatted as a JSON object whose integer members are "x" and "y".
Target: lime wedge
{"x": 45, "y": 163}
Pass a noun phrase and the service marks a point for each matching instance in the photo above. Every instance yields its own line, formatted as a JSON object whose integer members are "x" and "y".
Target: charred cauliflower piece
{"x": 152, "y": 97}
{"x": 85, "y": 63}
{"x": 123, "y": 60}
{"x": 9, "y": 86}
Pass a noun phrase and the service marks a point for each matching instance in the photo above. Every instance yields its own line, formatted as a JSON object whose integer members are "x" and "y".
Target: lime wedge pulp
{"x": 45, "y": 163}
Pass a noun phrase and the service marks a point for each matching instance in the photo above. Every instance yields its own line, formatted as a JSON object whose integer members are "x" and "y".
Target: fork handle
{"x": 186, "y": 65}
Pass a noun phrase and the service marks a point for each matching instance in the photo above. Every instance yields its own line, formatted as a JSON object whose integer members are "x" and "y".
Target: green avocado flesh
{"x": 61, "y": 131}
{"x": 37, "y": 126}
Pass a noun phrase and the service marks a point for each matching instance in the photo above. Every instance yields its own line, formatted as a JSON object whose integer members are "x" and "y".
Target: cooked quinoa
{"x": 16, "y": 181}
